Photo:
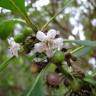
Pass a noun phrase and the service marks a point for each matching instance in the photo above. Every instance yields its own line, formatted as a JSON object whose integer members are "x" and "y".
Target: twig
{"x": 66, "y": 4}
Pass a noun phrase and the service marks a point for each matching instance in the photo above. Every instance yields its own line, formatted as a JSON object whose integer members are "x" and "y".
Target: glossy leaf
{"x": 82, "y": 52}
{"x": 35, "y": 84}
{"x": 82, "y": 42}
{"x": 13, "y": 5}
{"x": 5, "y": 63}
{"x": 38, "y": 90}
{"x": 18, "y": 6}
{"x": 7, "y": 27}
{"x": 90, "y": 80}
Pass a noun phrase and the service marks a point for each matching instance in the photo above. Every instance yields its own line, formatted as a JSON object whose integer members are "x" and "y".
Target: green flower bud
{"x": 53, "y": 79}
{"x": 22, "y": 36}
{"x": 19, "y": 38}
{"x": 58, "y": 57}
{"x": 27, "y": 32}
{"x": 75, "y": 85}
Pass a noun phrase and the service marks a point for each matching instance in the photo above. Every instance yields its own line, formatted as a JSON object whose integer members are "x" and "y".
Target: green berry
{"x": 19, "y": 38}
{"x": 75, "y": 85}
{"x": 22, "y": 36}
{"x": 27, "y": 32}
{"x": 58, "y": 57}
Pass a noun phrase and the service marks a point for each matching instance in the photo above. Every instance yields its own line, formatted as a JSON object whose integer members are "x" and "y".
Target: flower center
{"x": 49, "y": 43}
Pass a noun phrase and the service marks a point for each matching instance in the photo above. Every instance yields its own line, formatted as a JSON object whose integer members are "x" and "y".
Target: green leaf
{"x": 18, "y": 6}
{"x": 38, "y": 90}
{"x": 90, "y": 80}
{"x": 7, "y": 27}
{"x": 82, "y": 42}
{"x": 5, "y": 63}
{"x": 13, "y": 5}
{"x": 35, "y": 84}
{"x": 31, "y": 90}
{"x": 82, "y": 52}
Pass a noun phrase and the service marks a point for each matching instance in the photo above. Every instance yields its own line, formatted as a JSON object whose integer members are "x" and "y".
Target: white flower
{"x": 58, "y": 43}
{"x": 92, "y": 61}
{"x": 48, "y": 42}
{"x": 14, "y": 47}
{"x": 93, "y": 22}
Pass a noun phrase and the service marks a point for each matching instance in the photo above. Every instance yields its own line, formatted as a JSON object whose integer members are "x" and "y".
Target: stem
{"x": 77, "y": 49}
{"x": 5, "y": 64}
{"x": 33, "y": 26}
{"x": 55, "y": 20}
{"x": 67, "y": 3}
{"x": 64, "y": 71}
{"x": 67, "y": 92}
{"x": 66, "y": 40}
{"x": 49, "y": 90}
{"x": 94, "y": 74}
{"x": 25, "y": 16}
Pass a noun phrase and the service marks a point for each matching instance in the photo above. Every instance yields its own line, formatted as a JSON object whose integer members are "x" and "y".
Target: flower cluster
{"x": 48, "y": 42}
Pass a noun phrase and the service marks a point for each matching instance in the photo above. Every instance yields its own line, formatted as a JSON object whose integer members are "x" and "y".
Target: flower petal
{"x": 40, "y": 36}
{"x": 49, "y": 53}
{"x": 39, "y": 47}
{"x": 14, "y": 49}
{"x": 51, "y": 33}
{"x": 11, "y": 41}
{"x": 13, "y": 52}
{"x": 58, "y": 43}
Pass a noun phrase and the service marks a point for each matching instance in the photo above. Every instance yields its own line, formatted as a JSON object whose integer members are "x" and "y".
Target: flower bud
{"x": 19, "y": 38}
{"x": 75, "y": 85}
{"x": 58, "y": 57}
{"x": 53, "y": 79}
{"x": 66, "y": 82}
{"x": 34, "y": 68}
